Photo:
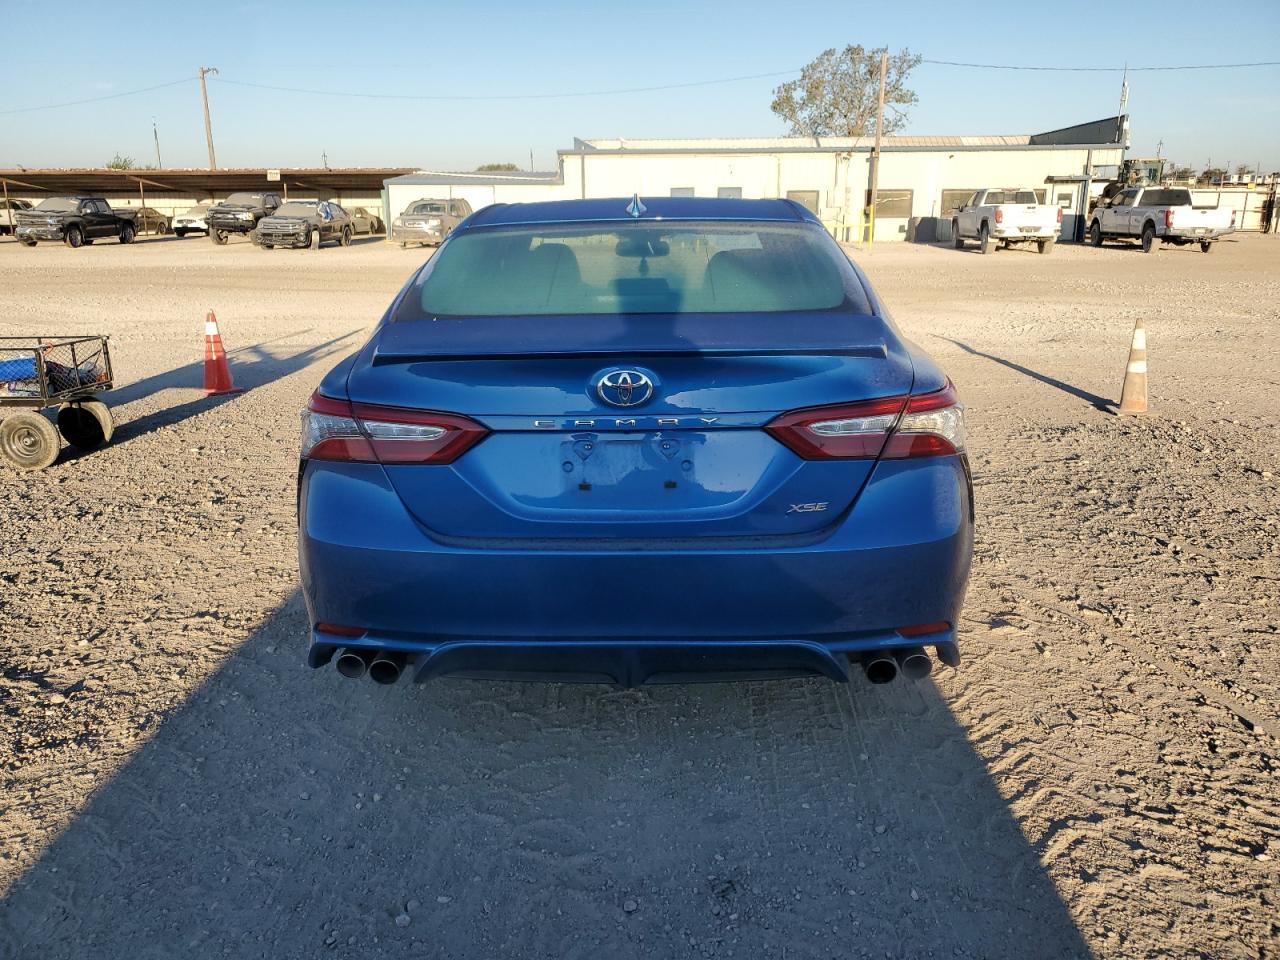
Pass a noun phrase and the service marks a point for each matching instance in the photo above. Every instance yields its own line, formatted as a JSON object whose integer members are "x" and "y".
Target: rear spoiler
{"x": 876, "y": 351}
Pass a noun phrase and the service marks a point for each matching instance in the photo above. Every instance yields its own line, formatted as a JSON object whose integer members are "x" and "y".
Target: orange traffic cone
{"x": 1133, "y": 395}
{"x": 217, "y": 375}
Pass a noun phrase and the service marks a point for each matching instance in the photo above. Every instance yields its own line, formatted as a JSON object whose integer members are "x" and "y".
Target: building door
{"x": 730, "y": 193}
{"x": 806, "y": 198}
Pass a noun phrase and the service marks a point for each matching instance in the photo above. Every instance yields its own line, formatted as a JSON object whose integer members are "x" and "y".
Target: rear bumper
{"x": 1013, "y": 233}
{"x": 653, "y": 613}
{"x": 1181, "y": 233}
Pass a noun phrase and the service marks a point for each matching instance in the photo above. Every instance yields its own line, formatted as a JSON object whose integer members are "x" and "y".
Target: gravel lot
{"x": 1099, "y": 778}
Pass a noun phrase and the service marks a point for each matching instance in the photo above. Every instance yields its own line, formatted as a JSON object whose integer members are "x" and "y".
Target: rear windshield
{"x": 1166, "y": 198}
{"x": 649, "y": 267}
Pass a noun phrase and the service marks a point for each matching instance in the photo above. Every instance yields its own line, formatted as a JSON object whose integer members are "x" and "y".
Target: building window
{"x": 1064, "y": 201}
{"x": 954, "y": 199}
{"x": 806, "y": 198}
{"x": 682, "y": 191}
{"x": 1040, "y": 196}
{"x": 729, "y": 193}
{"x": 893, "y": 204}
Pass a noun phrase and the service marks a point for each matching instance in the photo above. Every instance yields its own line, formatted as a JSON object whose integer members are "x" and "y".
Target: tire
{"x": 375, "y": 227}
{"x": 955, "y": 235}
{"x": 86, "y": 424}
{"x": 126, "y": 234}
{"x": 1095, "y": 234}
{"x": 314, "y": 239}
{"x": 268, "y": 246}
{"x": 985, "y": 244}
{"x": 73, "y": 237}
{"x": 26, "y": 241}
{"x": 345, "y": 239}
{"x": 219, "y": 237}
{"x": 1205, "y": 246}
{"x": 28, "y": 441}
{"x": 1045, "y": 246}
{"x": 1149, "y": 244}
{"x": 180, "y": 234}
{"x": 404, "y": 245}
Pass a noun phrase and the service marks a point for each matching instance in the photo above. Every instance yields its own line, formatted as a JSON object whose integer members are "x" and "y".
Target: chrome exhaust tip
{"x": 913, "y": 662}
{"x": 353, "y": 663}
{"x": 386, "y": 667}
{"x": 880, "y": 666}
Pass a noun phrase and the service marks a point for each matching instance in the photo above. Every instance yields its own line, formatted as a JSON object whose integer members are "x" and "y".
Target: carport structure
{"x": 181, "y": 188}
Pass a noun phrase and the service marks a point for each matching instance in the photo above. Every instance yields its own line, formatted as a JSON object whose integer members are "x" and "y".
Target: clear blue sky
{"x": 56, "y": 52}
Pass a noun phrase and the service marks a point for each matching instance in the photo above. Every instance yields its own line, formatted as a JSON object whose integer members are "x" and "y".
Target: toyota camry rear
{"x": 632, "y": 442}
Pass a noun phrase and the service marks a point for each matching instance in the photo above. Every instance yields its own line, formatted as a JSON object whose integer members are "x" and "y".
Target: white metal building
{"x": 921, "y": 180}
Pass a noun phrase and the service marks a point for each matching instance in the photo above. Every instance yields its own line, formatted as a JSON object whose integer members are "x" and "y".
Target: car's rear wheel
{"x": 28, "y": 441}
{"x": 219, "y": 237}
{"x": 1205, "y": 246}
{"x": 74, "y": 237}
{"x": 1149, "y": 239}
{"x": 345, "y": 239}
{"x": 1045, "y": 246}
{"x": 126, "y": 234}
{"x": 1095, "y": 234}
{"x": 180, "y": 234}
{"x": 955, "y": 235}
{"x": 984, "y": 240}
{"x": 26, "y": 241}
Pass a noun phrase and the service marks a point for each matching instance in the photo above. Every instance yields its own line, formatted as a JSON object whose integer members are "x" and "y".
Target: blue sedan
{"x": 642, "y": 441}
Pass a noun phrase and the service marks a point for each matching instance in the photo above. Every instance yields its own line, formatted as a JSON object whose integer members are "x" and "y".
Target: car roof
{"x": 655, "y": 208}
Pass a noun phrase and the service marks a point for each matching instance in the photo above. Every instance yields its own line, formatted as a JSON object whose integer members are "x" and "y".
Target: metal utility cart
{"x": 64, "y": 372}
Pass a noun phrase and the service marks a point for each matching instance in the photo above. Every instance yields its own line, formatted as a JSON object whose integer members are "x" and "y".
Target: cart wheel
{"x": 86, "y": 424}
{"x": 28, "y": 441}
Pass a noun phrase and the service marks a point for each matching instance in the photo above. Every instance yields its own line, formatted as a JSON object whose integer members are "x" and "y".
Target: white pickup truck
{"x": 1003, "y": 217}
{"x": 1153, "y": 214}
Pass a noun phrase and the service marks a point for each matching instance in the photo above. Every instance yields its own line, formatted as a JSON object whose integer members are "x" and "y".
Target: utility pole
{"x": 208, "y": 125}
{"x": 875, "y": 154}
{"x": 155, "y": 133}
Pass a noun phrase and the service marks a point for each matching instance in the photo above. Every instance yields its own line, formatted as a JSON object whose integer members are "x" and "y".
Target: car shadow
{"x": 279, "y": 812}
{"x": 251, "y": 367}
{"x": 1093, "y": 399}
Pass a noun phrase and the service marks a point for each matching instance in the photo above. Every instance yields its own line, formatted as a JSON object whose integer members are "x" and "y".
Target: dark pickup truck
{"x": 75, "y": 221}
{"x": 240, "y": 213}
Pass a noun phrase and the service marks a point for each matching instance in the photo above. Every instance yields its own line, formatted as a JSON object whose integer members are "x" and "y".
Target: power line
{"x": 109, "y": 96}
{"x": 507, "y": 96}
{"x": 1192, "y": 66}
{"x": 615, "y": 92}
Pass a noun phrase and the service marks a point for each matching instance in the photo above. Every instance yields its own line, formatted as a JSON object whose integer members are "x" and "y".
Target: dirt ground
{"x": 1098, "y": 779}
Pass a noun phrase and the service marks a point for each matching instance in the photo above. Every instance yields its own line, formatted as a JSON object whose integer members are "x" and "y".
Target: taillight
{"x": 850, "y": 431}
{"x": 366, "y": 433}
{"x": 930, "y": 424}
{"x": 1233, "y": 219}
{"x": 1059, "y": 214}
{"x": 1168, "y": 219}
{"x": 999, "y": 215}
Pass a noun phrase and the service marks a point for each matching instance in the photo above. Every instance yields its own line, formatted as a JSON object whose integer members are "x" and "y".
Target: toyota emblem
{"x": 625, "y": 388}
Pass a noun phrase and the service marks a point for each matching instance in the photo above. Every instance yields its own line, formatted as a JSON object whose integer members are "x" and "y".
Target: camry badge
{"x": 635, "y": 207}
{"x": 624, "y": 388}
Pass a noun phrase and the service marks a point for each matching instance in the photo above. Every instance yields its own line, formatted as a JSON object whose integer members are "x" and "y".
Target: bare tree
{"x": 835, "y": 94}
